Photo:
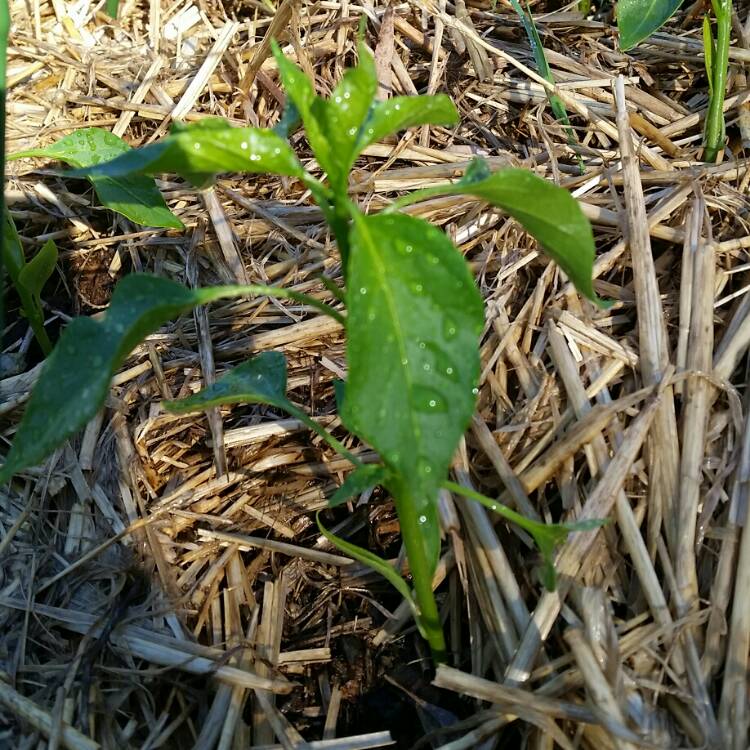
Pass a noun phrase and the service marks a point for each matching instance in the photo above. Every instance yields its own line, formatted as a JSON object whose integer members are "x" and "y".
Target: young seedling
{"x": 638, "y": 19}
{"x": 413, "y": 315}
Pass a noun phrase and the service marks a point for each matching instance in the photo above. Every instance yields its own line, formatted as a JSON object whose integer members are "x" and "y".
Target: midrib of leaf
{"x": 400, "y": 338}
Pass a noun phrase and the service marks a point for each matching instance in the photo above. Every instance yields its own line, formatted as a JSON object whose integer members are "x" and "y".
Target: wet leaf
{"x": 75, "y": 377}
{"x": 136, "y": 197}
{"x": 413, "y": 325}
{"x": 200, "y": 150}
{"x": 547, "y": 211}
{"x": 638, "y": 19}
{"x": 402, "y": 112}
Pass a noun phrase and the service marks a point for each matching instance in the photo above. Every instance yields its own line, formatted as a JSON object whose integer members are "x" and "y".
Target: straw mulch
{"x": 163, "y": 582}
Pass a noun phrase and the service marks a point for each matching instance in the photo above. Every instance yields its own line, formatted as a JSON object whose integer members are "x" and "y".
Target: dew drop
{"x": 337, "y": 100}
{"x": 397, "y": 107}
{"x": 243, "y": 145}
{"x": 433, "y": 403}
{"x": 427, "y": 367}
{"x": 352, "y": 131}
{"x": 449, "y": 371}
{"x": 409, "y": 248}
{"x": 404, "y": 361}
{"x": 371, "y": 316}
{"x": 493, "y": 506}
{"x": 347, "y": 95}
{"x": 418, "y": 288}
{"x": 277, "y": 151}
{"x": 423, "y": 519}
{"x": 197, "y": 146}
{"x": 475, "y": 391}
{"x": 255, "y": 157}
{"x": 422, "y": 345}
{"x": 363, "y": 290}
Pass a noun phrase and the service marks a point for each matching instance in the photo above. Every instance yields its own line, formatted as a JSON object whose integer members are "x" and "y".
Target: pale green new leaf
{"x": 14, "y": 262}
{"x": 134, "y": 196}
{"x": 638, "y": 19}
{"x": 402, "y": 112}
{"x": 413, "y": 325}
{"x": 36, "y": 273}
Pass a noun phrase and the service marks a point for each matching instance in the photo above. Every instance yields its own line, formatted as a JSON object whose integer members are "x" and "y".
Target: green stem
{"x": 422, "y": 574}
{"x": 339, "y": 447}
{"x": 714, "y": 140}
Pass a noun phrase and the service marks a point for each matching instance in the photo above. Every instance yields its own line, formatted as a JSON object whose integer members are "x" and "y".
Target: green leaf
{"x": 547, "y": 211}
{"x": 260, "y": 380}
{"x": 638, "y": 19}
{"x": 709, "y": 50}
{"x": 413, "y": 325}
{"x": 361, "y": 479}
{"x": 14, "y": 262}
{"x": 35, "y": 274}
{"x": 135, "y": 197}
{"x": 333, "y": 126}
{"x": 548, "y": 537}
{"x": 402, "y": 112}
{"x": 345, "y": 112}
{"x": 75, "y": 378}
{"x": 203, "y": 149}
{"x": 112, "y": 6}
{"x": 373, "y": 561}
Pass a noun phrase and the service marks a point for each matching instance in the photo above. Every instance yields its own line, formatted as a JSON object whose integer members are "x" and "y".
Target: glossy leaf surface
{"x": 402, "y": 112}
{"x": 203, "y": 149}
{"x": 546, "y": 211}
{"x": 75, "y": 378}
{"x": 638, "y": 19}
{"x": 413, "y": 325}
{"x": 134, "y": 196}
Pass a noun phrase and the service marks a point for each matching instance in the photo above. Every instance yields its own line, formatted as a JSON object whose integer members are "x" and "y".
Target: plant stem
{"x": 429, "y": 618}
{"x": 714, "y": 139}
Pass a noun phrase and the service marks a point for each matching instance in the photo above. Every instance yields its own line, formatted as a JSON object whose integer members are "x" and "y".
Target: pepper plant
{"x": 412, "y": 312}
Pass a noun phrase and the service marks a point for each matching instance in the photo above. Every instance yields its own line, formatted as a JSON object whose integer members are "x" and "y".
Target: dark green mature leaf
{"x": 373, "y": 561}
{"x": 75, "y": 378}
{"x": 201, "y": 150}
{"x": 413, "y": 325}
{"x": 361, "y": 479}
{"x": 260, "y": 380}
{"x": 638, "y": 19}
{"x": 135, "y": 197}
{"x": 402, "y": 112}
